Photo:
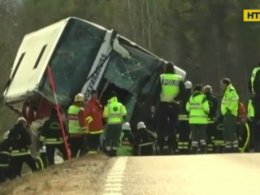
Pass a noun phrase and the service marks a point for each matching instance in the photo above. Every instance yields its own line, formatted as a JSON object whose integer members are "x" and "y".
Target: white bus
{"x": 83, "y": 56}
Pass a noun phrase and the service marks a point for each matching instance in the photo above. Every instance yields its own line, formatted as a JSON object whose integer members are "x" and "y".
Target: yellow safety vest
{"x": 170, "y": 86}
{"x": 250, "y": 109}
{"x": 114, "y": 111}
{"x": 73, "y": 117}
{"x": 229, "y": 101}
{"x": 198, "y": 108}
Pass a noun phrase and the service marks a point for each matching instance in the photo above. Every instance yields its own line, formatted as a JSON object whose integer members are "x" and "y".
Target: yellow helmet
{"x": 79, "y": 98}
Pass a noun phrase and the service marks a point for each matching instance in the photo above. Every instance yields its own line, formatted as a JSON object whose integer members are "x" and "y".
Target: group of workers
{"x": 185, "y": 121}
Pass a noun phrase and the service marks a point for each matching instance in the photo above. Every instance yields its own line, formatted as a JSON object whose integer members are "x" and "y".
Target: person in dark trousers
{"x": 211, "y": 127}
{"x": 5, "y": 161}
{"x": 20, "y": 141}
{"x": 183, "y": 126}
{"x": 51, "y": 136}
{"x": 171, "y": 89}
{"x": 254, "y": 118}
{"x": 93, "y": 116}
{"x": 114, "y": 113}
{"x": 198, "y": 108}
{"x": 144, "y": 140}
{"x": 229, "y": 110}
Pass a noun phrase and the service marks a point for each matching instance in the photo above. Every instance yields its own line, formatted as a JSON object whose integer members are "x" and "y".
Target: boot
{"x": 234, "y": 150}
{"x": 203, "y": 149}
{"x": 194, "y": 150}
{"x": 227, "y": 150}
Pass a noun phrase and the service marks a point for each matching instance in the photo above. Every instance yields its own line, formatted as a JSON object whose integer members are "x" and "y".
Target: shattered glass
{"x": 72, "y": 59}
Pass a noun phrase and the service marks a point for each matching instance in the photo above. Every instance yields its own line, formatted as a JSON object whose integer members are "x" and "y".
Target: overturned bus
{"x": 81, "y": 56}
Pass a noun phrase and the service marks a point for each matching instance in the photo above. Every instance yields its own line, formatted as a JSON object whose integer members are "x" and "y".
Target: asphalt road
{"x": 222, "y": 174}
{"x": 185, "y": 175}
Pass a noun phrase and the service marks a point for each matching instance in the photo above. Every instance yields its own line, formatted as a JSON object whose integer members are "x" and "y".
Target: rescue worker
{"x": 77, "y": 125}
{"x": 229, "y": 110}
{"x": 126, "y": 141}
{"x": 198, "y": 108}
{"x": 114, "y": 114}
{"x": 254, "y": 82}
{"x": 144, "y": 140}
{"x": 211, "y": 127}
{"x": 93, "y": 116}
{"x": 51, "y": 136}
{"x": 5, "y": 160}
{"x": 20, "y": 141}
{"x": 171, "y": 89}
{"x": 183, "y": 126}
{"x": 254, "y": 117}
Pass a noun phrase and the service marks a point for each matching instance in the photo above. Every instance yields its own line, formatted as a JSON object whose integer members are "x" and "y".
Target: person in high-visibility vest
{"x": 229, "y": 110}
{"x": 94, "y": 119}
{"x": 51, "y": 136}
{"x": 171, "y": 89}
{"x": 126, "y": 141}
{"x": 114, "y": 114}
{"x": 20, "y": 141}
{"x": 77, "y": 125}
{"x": 198, "y": 108}
{"x": 183, "y": 125}
{"x": 254, "y": 117}
{"x": 211, "y": 127}
{"x": 254, "y": 82}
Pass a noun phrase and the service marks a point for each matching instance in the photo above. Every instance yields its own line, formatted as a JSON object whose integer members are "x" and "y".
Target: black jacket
{"x": 144, "y": 136}
{"x": 127, "y": 138}
{"x": 213, "y": 105}
{"x": 19, "y": 138}
{"x": 51, "y": 128}
{"x": 5, "y": 156}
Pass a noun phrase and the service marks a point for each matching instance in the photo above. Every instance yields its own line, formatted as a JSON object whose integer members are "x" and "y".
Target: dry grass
{"x": 82, "y": 176}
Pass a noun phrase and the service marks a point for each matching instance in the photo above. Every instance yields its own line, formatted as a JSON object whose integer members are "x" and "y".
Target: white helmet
{"x": 126, "y": 126}
{"x": 188, "y": 85}
{"x": 141, "y": 125}
{"x": 21, "y": 120}
{"x": 5, "y": 136}
{"x": 79, "y": 98}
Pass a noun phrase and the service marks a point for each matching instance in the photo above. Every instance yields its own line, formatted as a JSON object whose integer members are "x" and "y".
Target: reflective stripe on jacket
{"x": 253, "y": 77}
{"x": 22, "y": 152}
{"x": 52, "y": 141}
{"x": 250, "y": 109}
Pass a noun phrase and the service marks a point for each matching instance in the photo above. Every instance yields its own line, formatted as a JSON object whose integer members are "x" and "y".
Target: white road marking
{"x": 115, "y": 177}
